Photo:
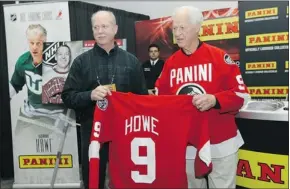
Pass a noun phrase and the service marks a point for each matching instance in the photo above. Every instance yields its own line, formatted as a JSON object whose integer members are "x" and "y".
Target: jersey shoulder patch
{"x": 228, "y": 59}
{"x": 102, "y": 104}
{"x": 23, "y": 58}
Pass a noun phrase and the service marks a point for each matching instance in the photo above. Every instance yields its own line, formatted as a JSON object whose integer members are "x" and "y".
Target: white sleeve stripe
{"x": 12, "y": 91}
{"x": 244, "y": 96}
{"x": 94, "y": 150}
{"x": 205, "y": 154}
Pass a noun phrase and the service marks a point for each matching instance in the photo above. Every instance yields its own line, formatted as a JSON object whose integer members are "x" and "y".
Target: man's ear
{"x": 116, "y": 29}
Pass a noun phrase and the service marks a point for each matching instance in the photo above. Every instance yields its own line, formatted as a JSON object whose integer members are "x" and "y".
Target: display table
{"x": 263, "y": 159}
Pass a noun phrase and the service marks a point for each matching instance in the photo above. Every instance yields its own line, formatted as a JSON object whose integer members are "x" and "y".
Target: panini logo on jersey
{"x": 102, "y": 104}
{"x": 195, "y": 73}
{"x": 190, "y": 89}
{"x": 50, "y": 51}
{"x": 228, "y": 59}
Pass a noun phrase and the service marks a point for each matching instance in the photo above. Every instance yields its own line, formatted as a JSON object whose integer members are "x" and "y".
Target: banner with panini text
{"x": 38, "y": 129}
{"x": 220, "y": 28}
{"x": 264, "y": 50}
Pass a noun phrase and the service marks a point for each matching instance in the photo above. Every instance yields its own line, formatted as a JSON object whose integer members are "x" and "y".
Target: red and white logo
{"x": 59, "y": 15}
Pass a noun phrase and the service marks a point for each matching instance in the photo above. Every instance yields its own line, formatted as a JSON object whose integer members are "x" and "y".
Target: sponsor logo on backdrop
{"x": 269, "y": 91}
{"x": 223, "y": 28}
{"x": 40, "y": 16}
{"x": 217, "y": 29}
{"x": 49, "y": 52}
{"x": 13, "y": 17}
{"x": 287, "y": 66}
{"x": 287, "y": 15}
{"x": 262, "y": 170}
{"x": 261, "y": 14}
{"x": 261, "y": 67}
{"x": 59, "y": 15}
{"x": 268, "y": 41}
{"x": 44, "y": 161}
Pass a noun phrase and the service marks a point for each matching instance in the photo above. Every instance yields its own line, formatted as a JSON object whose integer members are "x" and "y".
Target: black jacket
{"x": 152, "y": 73}
{"x": 87, "y": 67}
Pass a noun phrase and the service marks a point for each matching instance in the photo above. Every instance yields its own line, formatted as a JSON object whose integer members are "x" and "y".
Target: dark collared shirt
{"x": 97, "y": 66}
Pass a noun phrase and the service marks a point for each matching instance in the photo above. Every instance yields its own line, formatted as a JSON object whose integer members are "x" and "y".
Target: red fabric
{"x": 209, "y": 70}
{"x": 167, "y": 125}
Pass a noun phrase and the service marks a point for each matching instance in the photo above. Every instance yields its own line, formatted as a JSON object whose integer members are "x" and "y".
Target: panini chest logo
{"x": 261, "y": 13}
{"x": 267, "y": 39}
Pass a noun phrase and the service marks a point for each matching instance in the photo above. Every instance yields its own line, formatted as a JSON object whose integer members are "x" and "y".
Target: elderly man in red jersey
{"x": 215, "y": 81}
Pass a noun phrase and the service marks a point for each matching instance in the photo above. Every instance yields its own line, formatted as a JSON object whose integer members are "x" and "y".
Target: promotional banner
{"x": 220, "y": 28}
{"x": 262, "y": 170}
{"x": 58, "y": 57}
{"x": 264, "y": 37}
{"x": 38, "y": 130}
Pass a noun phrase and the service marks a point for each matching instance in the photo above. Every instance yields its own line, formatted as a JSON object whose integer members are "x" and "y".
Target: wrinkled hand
{"x": 100, "y": 93}
{"x": 204, "y": 102}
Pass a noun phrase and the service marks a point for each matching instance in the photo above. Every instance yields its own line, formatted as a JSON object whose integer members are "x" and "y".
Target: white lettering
{"x": 33, "y": 82}
{"x": 195, "y": 73}
{"x": 141, "y": 123}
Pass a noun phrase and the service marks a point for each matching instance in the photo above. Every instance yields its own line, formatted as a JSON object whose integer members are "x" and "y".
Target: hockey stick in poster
{"x": 60, "y": 149}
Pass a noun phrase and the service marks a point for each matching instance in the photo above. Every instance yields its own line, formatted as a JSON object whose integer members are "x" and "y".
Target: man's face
{"x": 184, "y": 32}
{"x": 35, "y": 40}
{"x": 62, "y": 57}
{"x": 153, "y": 53}
{"x": 104, "y": 29}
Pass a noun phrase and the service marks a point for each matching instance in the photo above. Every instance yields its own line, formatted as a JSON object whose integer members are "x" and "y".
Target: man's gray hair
{"x": 37, "y": 26}
{"x": 195, "y": 15}
{"x": 107, "y": 11}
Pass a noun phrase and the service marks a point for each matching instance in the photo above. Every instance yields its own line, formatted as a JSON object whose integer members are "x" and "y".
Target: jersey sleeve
{"x": 235, "y": 93}
{"x": 100, "y": 133}
{"x": 199, "y": 138}
{"x": 162, "y": 83}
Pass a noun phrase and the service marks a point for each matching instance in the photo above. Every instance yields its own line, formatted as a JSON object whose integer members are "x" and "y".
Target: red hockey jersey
{"x": 148, "y": 137}
{"x": 209, "y": 70}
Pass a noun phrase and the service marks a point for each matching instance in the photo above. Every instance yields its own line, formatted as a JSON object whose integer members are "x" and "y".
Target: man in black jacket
{"x": 93, "y": 75}
{"x": 152, "y": 67}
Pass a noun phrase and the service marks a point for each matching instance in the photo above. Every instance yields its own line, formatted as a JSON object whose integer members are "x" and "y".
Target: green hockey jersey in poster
{"x": 26, "y": 73}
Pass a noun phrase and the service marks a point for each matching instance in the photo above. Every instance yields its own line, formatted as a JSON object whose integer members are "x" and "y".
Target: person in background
{"x": 152, "y": 67}
{"x": 93, "y": 75}
{"x": 213, "y": 78}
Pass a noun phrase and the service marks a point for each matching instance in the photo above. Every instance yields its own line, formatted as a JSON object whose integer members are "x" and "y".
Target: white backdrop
{"x": 36, "y": 140}
{"x": 158, "y": 9}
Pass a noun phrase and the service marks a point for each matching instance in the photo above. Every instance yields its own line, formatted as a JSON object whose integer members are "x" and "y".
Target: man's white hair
{"x": 103, "y": 11}
{"x": 194, "y": 14}
{"x": 37, "y": 26}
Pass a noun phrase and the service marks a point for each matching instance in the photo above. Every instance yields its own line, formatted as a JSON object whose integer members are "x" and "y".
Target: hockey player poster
{"x": 37, "y": 128}
{"x": 57, "y": 59}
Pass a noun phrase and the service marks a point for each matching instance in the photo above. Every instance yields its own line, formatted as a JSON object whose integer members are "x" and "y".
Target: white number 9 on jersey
{"x": 149, "y": 160}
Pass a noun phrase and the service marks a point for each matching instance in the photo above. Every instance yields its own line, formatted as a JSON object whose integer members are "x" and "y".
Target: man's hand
{"x": 204, "y": 102}
{"x": 100, "y": 93}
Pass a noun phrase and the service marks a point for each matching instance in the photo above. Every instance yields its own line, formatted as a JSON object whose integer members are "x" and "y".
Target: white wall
{"x": 157, "y": 9}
